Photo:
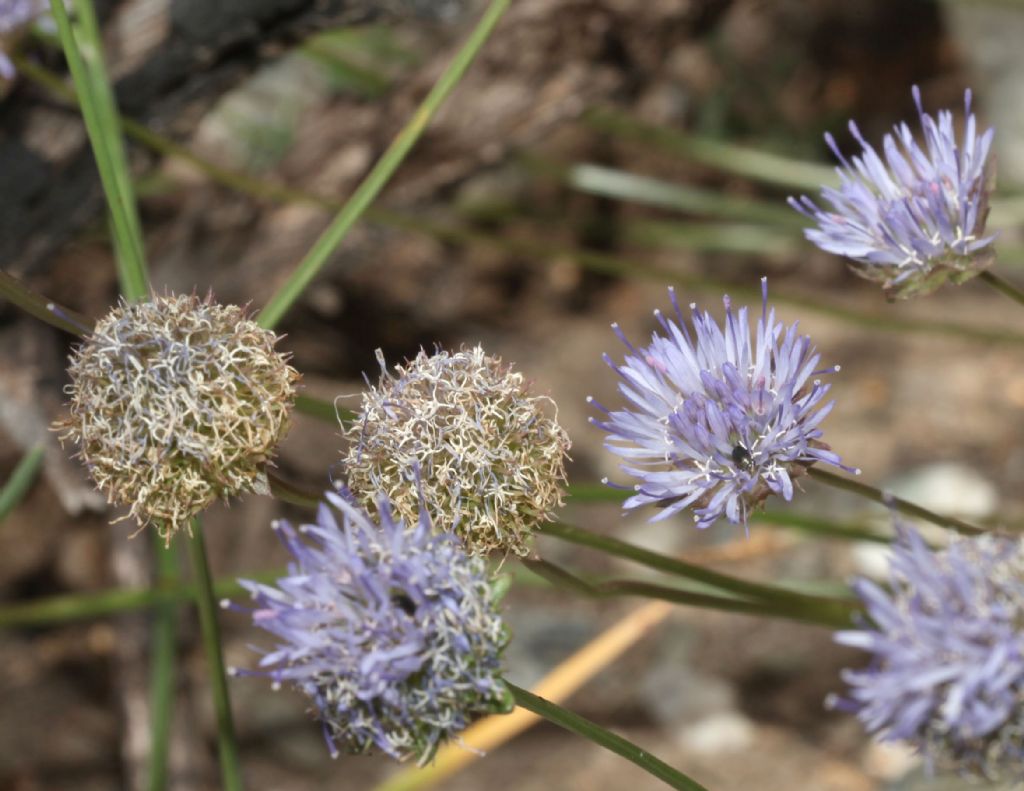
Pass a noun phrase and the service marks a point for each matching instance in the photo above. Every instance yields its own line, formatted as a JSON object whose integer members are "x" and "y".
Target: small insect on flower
{"x": 916, "y": 220}
{"x": 392, "y": 631}
{"x": 718, "y": 420}
{"x": 177, "y": 402}
{"x": 492, "y": 457}
{"x": 947, "y": 654}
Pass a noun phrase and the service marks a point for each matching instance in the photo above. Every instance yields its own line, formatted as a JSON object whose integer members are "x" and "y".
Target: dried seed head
{"x": 175, "y": 403}
{"x": 492, "y": 461}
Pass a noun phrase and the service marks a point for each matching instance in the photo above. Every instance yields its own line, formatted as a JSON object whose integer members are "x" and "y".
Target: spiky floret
{"x": 392, "y": 631}
{"x": 176, "y": 402}
{"x": 947, "y": 654}
{"x": 916, "y": 220}
{"x": 492, "y": 459}
{"x": 718, "y": 420}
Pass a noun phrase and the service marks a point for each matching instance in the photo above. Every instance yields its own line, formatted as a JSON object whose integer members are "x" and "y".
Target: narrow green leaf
{"x": 66, "y": 608}
{"x": 738, "y": 160}
{"x": 103, "y": 127}
{"x": 381, "y": 173}
{"x": 21, "y": 480}
{"x": 649, "y": 191}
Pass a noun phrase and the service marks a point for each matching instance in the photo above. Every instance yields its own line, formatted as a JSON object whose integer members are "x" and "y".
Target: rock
{"x": 721, "y": 733}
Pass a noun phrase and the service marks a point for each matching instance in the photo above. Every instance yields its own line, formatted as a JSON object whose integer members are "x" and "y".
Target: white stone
{"x": 724, "y": 732}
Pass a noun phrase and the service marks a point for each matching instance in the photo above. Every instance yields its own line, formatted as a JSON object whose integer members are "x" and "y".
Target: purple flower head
{"x": 917, "y": 219}
{"x": 393, "y": 632}
{"x": 947, "y": 665}
{"x": 718, "y": 420}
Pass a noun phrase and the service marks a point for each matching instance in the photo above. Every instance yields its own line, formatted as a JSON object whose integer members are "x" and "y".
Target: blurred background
{"x": 596, "y": 152}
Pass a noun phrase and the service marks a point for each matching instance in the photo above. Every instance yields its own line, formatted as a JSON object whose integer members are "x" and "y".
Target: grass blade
{"x": 21, "y": 480}
{"x": 381, "y": 173}
{"x": 581, "y": 726}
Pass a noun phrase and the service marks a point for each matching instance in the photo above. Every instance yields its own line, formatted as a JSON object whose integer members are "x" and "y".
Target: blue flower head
{"x": 718, "y": 419}
{"x": 947, "y": 654}
{"x": 393, "y": 632}
{"x": 917, "y": 219}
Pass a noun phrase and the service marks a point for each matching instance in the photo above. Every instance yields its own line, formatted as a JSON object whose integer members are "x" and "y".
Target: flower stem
{"x": 37, "y": 305}
{"x": 21, "y": 480}
{"x": 207, "y": 605}
{"x": 679, "y": 568}
{"x": 832, "y": 613}
{"x": 51, "y": 610}
{"x": 1002, "y": 285}
{"x": 381, "y": 173}
{"x": 897, "y": 503}
{"x": 581, "y": 726}
{"x": 162, "y": 668}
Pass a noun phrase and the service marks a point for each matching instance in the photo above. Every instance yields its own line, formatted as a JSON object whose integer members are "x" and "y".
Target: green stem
{"x": 102, "y": 126}
{"x": 381, "y": 173}
{"x": 41, "y": 308}
{"x": 21, "y": 480}
{"x": 680, "y": 568}
{"x": 293, "y": 493}
{"x": 162, "y": 668}
{"x": 1002, "y": 285}
{"x": 65, "y": 608}
{"x": 896, "y": 503}
{"x": 824, "y": 612}
{"x": 206, "y": 602}
{"x": 830, "y": 613}
{"x": 581, "y": 726}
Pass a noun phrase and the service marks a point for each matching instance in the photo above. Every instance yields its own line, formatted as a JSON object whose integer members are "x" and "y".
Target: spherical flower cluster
{"x": 393, "y": 632}
{"x": 177, "y": 402}
{"x": 492, "y": 460}
{"x": 916, "y": 220}
{"x": 718, "y": 420}
{"x": 947, "y": 665}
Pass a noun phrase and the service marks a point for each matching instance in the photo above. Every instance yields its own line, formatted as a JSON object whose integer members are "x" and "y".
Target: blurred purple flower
{"x": 947, "y": 666}
{"x": 14, "y": 16}
{"x": 916, "y": 220}
{"x": 394, "y": 633}
{"x": 718, "y": 420}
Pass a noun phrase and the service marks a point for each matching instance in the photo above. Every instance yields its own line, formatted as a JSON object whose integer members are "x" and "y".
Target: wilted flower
{"x": 916, "y": 220}
{"x": 492, "y": 461}
{"x": 947, "y": 665}
{"x": 177, "y": 402}
{"x": 718, "y": 421}
{"x": 393, "y": 632}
